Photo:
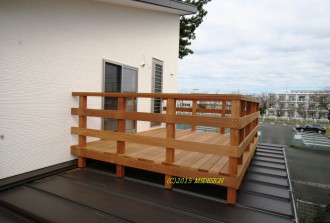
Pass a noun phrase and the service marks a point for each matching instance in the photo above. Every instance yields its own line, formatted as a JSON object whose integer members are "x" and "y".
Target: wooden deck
{"x": 170, "y": 151}
{"x": 205, "y": 163}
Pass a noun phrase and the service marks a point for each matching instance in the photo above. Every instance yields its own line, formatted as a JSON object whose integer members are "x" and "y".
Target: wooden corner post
{"x": 170, "y": 134}
{"x": 235, "y": 137}
{"x": 82, "y": 124}
{"x": 120, "y": 170}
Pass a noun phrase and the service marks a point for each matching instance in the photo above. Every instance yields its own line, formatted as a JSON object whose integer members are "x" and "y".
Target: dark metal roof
{"x": 94, "y": 194}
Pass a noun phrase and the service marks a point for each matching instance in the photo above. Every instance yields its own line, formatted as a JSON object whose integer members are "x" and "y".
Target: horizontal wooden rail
{"x": 201, "y": 110}
{"x": 165, "y": 118}
{"x": 247, "y": 140}
{"x": 244, "y": 121}
{"x": 198, "y": 97}
{"x": 161, "y": 142}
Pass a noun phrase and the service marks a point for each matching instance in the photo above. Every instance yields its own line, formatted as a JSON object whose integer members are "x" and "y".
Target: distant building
{"x": 296, "y": 104}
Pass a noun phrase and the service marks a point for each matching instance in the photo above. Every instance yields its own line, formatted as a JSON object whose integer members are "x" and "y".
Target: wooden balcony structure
{"x": 170, "y": 151}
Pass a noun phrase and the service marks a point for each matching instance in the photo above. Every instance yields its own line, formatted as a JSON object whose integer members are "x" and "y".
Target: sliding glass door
{"x": 119, "y": 78}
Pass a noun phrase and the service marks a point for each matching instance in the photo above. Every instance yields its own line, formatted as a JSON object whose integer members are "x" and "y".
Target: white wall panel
{"x": 49, "y": 49}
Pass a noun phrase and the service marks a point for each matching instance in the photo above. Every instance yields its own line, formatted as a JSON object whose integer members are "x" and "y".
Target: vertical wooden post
{"x": 255, "y": 108}
{"x": 120, "y": 170}
{"x": 223, "y": 114}
{"x": 170, "y": 133}
{"x": 248, "y": 128}
{"x": 242, "y": 131}
{"x": 82, "y": 124}
{"x": 194, "y": 109}
{"x": 234, "y": 141}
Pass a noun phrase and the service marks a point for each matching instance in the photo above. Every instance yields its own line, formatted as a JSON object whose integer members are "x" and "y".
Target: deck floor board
{"x": 193, "y": 160}
{"x": 219, "y": 165}
{"x": 184, "y": 158}
{"x": 210, "y": 163}
{"x": 200, "y": 162}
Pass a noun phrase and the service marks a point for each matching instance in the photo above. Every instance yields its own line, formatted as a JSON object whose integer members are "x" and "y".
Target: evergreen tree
{"x": 188, "y": 25}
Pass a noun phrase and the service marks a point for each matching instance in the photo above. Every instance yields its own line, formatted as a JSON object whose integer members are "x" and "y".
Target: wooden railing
{"x": 236, "y": 112}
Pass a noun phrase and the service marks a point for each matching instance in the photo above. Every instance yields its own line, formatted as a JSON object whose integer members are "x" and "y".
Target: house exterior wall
{"x": 49, "y": 49}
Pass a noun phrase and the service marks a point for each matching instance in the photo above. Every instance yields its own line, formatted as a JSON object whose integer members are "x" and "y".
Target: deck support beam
{"x": 120, "y": 170}
{"x": 82, "y": 124}
{"x": 170, "y": 134}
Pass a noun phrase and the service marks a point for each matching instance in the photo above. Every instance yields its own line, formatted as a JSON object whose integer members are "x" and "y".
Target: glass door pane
{"x": 112, "y": 82}
{"x": 129, "y": 84}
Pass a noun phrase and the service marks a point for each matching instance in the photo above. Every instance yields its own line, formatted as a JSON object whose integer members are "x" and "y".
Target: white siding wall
{"x": 49, "y": 49}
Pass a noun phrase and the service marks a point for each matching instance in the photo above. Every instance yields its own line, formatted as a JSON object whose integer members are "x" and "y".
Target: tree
{"x": 262, "y": 103}
{"x": 266, "y": 101}
{"x": 188, "y": 25}
{"x": 312, "y": 110}
{"x": 322, "y": 100}
{"x": 280, "y": 109}
{"x": 301, "y": 110}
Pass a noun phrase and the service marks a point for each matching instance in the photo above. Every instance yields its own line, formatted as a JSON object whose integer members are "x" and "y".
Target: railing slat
{"x": 161, "y": 142}
{"x": 244, "y": 121}
{"x": 247, "y": 140}
{"x": 165, "y": 118}
{"x": 201, "y": 110}
{"x": 198, "y": 97}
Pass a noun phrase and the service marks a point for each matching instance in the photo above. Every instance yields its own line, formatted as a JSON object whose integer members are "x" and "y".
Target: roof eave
{"x": 168, "y": 6}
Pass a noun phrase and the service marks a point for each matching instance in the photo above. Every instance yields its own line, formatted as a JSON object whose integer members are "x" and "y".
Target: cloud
{"x": 257, "y": 46}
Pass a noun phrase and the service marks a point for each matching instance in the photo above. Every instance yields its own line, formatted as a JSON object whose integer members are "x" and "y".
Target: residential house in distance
{"x": 49, "y": 49}
{"x": 296, "y": 104}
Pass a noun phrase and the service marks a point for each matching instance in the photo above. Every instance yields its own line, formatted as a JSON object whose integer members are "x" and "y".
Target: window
{"x": 291, "y": 98}
{"x": 157, "y": 87}
{"x": 119, "y": 78}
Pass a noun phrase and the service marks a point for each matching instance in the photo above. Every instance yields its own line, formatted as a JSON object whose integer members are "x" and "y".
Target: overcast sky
{"x": 254, "y": 46}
